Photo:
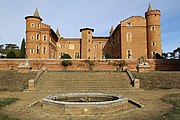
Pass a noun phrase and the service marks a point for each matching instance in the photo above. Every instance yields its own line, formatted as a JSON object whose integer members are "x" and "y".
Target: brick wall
{"x": 54, "y": 64}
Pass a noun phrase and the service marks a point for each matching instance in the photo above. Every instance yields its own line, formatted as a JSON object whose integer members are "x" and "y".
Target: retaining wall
{"x": 55, "y": 64}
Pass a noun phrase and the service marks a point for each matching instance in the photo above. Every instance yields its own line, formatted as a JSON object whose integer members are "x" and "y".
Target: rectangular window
{"x": 77, "y": 55}
{"x": 31, "y": 50}
{"x": 44, "y": 37}
{"x": 63, "y": 46}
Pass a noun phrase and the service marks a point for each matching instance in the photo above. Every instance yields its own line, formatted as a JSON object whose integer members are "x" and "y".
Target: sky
{"x": 71, "y": 15}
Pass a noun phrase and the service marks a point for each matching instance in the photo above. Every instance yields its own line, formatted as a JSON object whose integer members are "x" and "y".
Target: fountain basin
{"x": 84, "y": 103}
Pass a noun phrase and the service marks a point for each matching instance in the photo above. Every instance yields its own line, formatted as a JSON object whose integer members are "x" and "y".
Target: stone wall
{"x": 54, "y": 64}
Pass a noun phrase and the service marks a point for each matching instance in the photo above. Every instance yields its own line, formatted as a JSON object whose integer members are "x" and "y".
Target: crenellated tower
{"x": 153, "y": 32}
{"x": 86, "y": 43}
{"x": 33, "y": 35}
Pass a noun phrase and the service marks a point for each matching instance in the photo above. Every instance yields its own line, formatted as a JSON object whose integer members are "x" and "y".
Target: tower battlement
{"x": 153, "y": 12}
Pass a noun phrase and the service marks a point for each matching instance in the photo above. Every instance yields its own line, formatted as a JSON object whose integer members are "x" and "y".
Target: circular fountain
{"x": 84, "y": 103}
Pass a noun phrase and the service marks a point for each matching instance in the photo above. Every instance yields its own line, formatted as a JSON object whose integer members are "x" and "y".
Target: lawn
{"x": 11, "y": 80}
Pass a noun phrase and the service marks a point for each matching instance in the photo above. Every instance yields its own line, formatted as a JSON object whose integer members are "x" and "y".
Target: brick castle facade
{"x": 133, "y": 38}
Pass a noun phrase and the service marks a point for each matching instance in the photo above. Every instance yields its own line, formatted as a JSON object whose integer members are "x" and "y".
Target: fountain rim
{"x": 49, "y": 98}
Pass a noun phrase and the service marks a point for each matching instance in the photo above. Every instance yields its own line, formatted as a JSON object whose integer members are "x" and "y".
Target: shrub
{"x": 90, "y": 64}
{"x": 11, "y": 54}
{"x": 65, "y": 56}
{"x": 66, "y": 63}
{"x": 119, "y": 63}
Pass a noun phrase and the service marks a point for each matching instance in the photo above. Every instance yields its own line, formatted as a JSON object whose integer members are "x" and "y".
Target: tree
{"x": 23, "y": 49}
{"x": 176, "y": 53}
{"x": 165, "y": 55}
{"x": 107, "y": 56}
{"x": 157, "y": 56}
{"x": 11, "y": 54}
{"x": 65, "y": 56}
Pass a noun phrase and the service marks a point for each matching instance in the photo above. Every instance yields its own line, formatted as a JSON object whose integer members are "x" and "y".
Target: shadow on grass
{"x": 3, "y": 103}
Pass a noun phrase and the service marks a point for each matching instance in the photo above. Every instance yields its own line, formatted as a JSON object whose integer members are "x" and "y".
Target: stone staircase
{"x": 83, "y": 82}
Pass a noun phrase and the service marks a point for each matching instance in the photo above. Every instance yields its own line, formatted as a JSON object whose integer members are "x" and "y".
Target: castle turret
{"x": 86, "y": 43}
{"x": 153, "y": 32}
{"x": 33, "y": 35}
{"x": 58, "y": 34}
{"x": 111, "y": 30}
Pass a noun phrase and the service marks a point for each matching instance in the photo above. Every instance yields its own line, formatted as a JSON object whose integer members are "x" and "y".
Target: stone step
{"x": 83, "y": 81}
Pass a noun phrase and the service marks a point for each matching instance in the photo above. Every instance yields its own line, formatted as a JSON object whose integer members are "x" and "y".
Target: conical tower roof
{"x": 111, "y": 30}
{"x": 57, "y": 32}
{"x": 149, "y": 7}
{"x": 36, "y": 13}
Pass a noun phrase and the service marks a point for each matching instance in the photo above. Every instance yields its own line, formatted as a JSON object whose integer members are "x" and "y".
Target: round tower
{"x": 86, "y": 43}
{"x": 33, "y": 35}
{"x": 153, "y": 32}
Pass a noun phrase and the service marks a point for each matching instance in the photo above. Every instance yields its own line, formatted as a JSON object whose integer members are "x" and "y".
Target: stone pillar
{"x": 143, "y": 68}
{"x": 31, "y": 85}
{"x": 136, "y": 83}
{"x": 24, "y": 69}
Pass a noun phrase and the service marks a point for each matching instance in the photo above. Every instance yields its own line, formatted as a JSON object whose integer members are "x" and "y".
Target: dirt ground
{"x": 150, "y": 99}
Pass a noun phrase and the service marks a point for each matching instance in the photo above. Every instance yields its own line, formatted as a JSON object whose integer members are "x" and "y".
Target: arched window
{"x": 38, "y": 25}
{"x": 129, "y": 37}
{"x": 129, "y": 54}
{"x": 32, "y": 37}
{"x": 44, "y": 50}
{"x": 37, "y": 37}
{"x": 153, "y": 44}
{"x": 153, "y": 28}
{"x": 32, "y": 25}
{"x": 38, "y": 49}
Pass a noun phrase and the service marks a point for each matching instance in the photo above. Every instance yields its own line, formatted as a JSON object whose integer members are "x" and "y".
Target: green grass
{"x": 7, "y": 101}
{"x": 3, "y": 116}
{"x": 3, "y": 103}
{"x": 174, "y": 113}
{"x": 158, "y": 80}
{"x": 11, "y": 80}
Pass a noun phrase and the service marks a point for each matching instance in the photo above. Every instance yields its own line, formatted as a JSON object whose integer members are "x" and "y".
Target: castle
{"x": 133, "y": 38}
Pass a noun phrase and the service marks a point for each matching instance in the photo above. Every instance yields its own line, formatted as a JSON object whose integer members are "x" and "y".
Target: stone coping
{"x": 50, "y": 98}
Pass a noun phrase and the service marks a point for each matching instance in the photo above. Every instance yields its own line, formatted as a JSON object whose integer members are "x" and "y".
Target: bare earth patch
{"x": 155, "y": 86}
{"x": 154, "y": 106}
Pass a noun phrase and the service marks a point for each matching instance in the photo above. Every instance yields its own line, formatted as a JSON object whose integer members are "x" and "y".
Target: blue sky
{"x": 71, "y": 15}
